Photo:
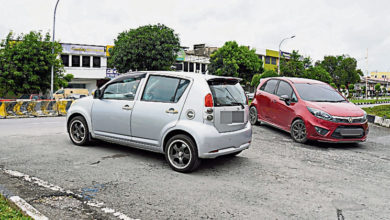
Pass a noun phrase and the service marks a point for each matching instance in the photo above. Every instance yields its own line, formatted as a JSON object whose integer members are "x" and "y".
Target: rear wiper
{"x": 238, "y": 103}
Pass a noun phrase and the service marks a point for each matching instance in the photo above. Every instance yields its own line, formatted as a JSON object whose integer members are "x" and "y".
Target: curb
{"x": 369, "y": 103}
{"x": 384, "y": 122}
{"x": 26, "y": 208}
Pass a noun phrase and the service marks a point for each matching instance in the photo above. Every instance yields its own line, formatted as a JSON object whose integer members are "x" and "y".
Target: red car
{"x": 309, "y": 110}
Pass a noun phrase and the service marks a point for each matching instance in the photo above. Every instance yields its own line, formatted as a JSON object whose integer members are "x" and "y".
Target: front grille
{"x": 349, "y": 119}
{"x": 350, "y": 132}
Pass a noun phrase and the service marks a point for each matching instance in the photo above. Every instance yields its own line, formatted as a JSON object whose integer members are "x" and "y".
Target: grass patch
{"x": 380, "y": 110}
{"x": 7, "y": 212}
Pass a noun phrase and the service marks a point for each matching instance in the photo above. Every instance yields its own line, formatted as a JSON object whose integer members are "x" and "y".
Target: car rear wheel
{"x": 298, "y": 131}
{"x": 181, "y": 154}
{"x": 253, "y": 118}
{"x": 78, "y": 131}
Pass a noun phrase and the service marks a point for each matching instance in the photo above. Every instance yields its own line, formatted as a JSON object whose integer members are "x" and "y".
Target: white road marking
{"x": 27, "y": 208}
{"x": 53, "y": 187}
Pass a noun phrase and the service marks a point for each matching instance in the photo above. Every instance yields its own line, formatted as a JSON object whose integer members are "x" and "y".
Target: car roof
{"x": 297, "y": 80}
{"x": 170, "y": 73}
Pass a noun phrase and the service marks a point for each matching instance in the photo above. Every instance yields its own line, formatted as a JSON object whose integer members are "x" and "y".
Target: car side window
{"x": 263, "y": 86}
{"x": 123, "y": 90}
{"x": 284, "y": 89}
{"x": 60, "y": 91}
{"x": 270, "y": 86}
{"x": 164, "y": 89}
{"x": 294, "y": 97}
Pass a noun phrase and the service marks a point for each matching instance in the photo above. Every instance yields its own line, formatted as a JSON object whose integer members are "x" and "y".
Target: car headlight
{"x": 365, "y": 116}
{"x": 320, "y": 114}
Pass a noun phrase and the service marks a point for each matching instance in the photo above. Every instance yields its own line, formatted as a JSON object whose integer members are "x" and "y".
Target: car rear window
{"x": 227, "y": 92}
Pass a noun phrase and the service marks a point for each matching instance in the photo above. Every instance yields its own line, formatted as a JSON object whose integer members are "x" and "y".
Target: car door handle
{"x": 127, "y": 107}
{"x": 274, "y": 100}
{"x": 171, "y": 111}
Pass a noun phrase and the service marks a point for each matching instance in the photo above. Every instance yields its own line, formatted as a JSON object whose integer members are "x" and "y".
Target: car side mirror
{"x": 286, "y": 99}
{"x": 97, "y": 94}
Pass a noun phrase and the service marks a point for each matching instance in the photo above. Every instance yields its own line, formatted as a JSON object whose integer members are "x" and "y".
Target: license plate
{"x": 351, "y": 132}
{"x": 229, "y": 117}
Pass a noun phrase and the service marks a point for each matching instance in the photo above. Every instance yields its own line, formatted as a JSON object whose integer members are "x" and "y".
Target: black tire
{"x": 181, "y": 154}
{"x": 298, "y": 131}
{"x": 253, "y": 116}
{"x": 78, "y": 131}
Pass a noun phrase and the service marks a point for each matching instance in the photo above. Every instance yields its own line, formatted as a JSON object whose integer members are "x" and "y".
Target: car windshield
{"x": 318, "y": 93}
{"x": 227, "y": 93}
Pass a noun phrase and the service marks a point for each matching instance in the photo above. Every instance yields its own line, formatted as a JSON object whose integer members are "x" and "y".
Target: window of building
{"x": 86, "y": 61}
{"x": 185, "y": 66}
{"x": 76, "y": 85}
{"x": 197, "y": 67}
{"x": 273, "y": 60}
{"x": 75, "y": 61}
{"x": 203, "y": 68}
{"x": 179, "y": 66}
{"x": 96, "y": 62}
{"x": 267, "y": 60}
{"x": 65, "y": 59}
{"x": 191, "y": 67}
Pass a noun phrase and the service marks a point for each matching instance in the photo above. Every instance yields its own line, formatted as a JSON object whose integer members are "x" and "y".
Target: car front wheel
{"x": 298, "y": 131}
{"x": 78, "y": 131}
{"x": 181, "y": 154}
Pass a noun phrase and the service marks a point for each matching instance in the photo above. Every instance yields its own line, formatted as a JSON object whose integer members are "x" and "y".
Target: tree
{"x": 237, "y": 61}
{"x": 294, "y": 67}
{"x": 351, "y": 90}
{"x": 377, "y": 90}
{"x": 25, "y": 64}
{"x": 333, "y": 85}
{"x": 150, "y": 47}
{"x": 256, "y": 78}
{"x": 341, "y": 68}
{"x": 317, "y": 73}
{"x": 364, "y": 90}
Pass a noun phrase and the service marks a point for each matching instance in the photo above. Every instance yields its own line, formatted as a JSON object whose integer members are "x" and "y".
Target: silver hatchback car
{"x": 185, "y": 116}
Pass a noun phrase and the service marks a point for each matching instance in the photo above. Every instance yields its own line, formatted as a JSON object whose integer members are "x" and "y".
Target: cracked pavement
{"x": 275, "y": 179}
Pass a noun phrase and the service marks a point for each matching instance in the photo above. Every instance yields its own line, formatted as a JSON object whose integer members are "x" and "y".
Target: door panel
{"x": 112, "y": 116}
{"x": 159, "y": 107}
{"x": 111, "y": 113}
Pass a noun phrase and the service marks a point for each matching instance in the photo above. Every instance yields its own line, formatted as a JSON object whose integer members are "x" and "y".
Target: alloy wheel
{"x": 179, "y": 154}
{"x": 77, "y": 131}
{"x": 299, "y": 131}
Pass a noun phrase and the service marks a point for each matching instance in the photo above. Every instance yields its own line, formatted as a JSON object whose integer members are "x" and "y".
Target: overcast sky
{"x": 322, "y": 27}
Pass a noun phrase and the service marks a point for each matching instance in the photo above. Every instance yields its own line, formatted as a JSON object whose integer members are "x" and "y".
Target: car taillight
{"x": 247, "y": 100}
{"x": 208, "y": 100}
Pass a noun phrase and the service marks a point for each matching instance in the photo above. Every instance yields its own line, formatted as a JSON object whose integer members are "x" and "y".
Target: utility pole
{"x": 280, "y": 51}
{"x": 52, "y": 51}
{"x": 367, "y": 73}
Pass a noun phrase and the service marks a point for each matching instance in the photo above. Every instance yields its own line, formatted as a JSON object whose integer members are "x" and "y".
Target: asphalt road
{"x": 275, "y": 179}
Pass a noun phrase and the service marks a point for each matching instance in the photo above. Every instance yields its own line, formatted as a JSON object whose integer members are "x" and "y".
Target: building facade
{"x": 87, "y": 63}
{"x": 380, "y": 75}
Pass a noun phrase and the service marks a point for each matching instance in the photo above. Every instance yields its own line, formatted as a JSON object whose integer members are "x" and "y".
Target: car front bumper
{"x": 335, "y": 131}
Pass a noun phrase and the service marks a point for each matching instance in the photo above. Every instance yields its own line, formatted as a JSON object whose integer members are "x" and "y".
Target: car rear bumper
{"x": 215, "y": 144}
{"x": 335, "y": 131}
